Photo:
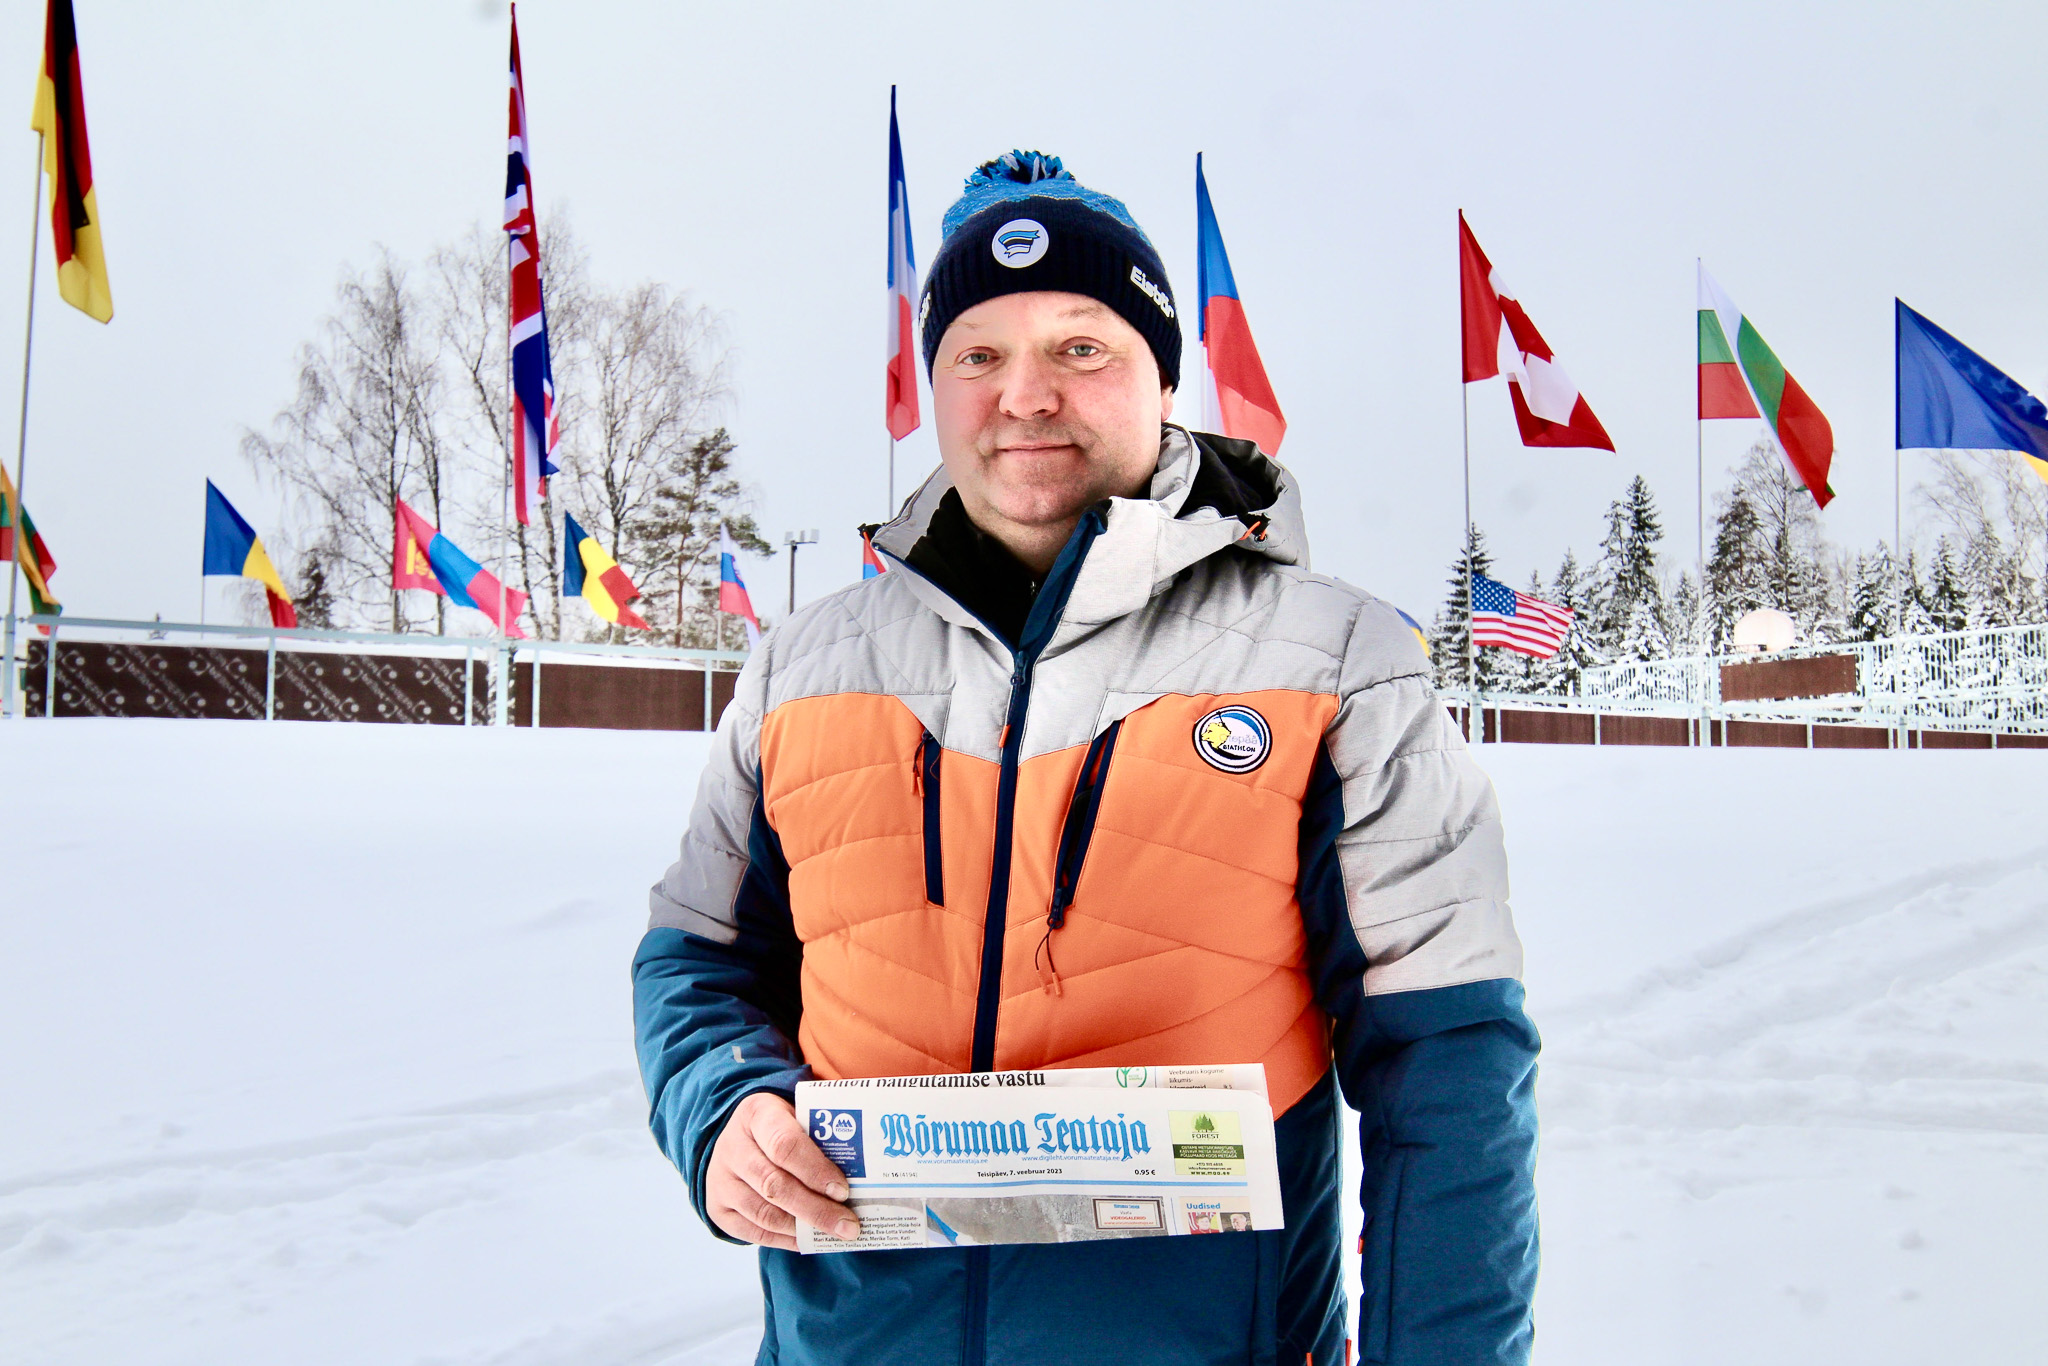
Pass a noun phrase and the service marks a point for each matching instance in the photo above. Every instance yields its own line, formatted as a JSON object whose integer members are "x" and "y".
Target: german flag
{"x": 19, "y": 541}
{"x": 67, "y": 160}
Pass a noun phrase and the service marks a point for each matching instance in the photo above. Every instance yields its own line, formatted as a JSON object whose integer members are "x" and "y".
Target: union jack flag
{"x": 535, "y": 432}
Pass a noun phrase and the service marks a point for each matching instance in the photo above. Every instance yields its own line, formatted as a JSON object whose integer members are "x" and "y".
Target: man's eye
{"x": 977, "y": 358}
{"x": 1084, "y": 350}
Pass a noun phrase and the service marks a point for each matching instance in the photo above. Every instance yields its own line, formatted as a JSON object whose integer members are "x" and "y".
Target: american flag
{"x": 1516, "y": 621}
{"x": 534, "y": 429}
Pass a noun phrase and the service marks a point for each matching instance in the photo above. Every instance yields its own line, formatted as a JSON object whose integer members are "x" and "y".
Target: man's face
{"x": 1045, "y": 403}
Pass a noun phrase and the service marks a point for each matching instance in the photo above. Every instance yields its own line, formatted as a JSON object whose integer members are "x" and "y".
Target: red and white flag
{"x": 900, "y": 405}
{"x": 1500, "y": 340}
{"x": 1516, "y": 621}
{"x": 535, "y": 431}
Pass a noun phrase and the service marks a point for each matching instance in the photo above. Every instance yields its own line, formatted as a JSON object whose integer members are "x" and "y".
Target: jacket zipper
{"x": 926, "y": 775}
{"x": 1075, "y": 837}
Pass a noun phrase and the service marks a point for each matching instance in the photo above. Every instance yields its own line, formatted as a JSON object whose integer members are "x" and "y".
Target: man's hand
{"x": 766, "y": 1174}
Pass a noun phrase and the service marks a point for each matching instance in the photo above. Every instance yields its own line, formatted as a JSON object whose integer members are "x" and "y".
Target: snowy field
{"x": 318, "y": 1050}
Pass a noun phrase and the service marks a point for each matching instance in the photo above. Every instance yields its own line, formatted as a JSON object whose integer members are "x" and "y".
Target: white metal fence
{"x": 1987, "y": 680}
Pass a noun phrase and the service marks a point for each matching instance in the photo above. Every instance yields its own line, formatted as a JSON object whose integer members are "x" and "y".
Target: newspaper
{"x": 1071, "y": 1155}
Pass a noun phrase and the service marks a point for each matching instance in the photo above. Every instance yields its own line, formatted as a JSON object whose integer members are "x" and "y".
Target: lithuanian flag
{"x": 19, "y": 541}
{"x": 1742, "y": 377}
{"x": 74, "y": 209}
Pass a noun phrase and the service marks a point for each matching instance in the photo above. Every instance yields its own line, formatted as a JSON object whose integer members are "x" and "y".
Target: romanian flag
{"x": 421, "y": 557}
{"x": 732, "y": 589}
{"x": 74, "y": 209}
{"x": 20, "y": 542}
{"x": 870, "y": 562}
{"x": 233, "y": 548}
{"x": 1238, "y": 397}
{"x": 593, "y": 575}
{"x": 1742, "y": 377}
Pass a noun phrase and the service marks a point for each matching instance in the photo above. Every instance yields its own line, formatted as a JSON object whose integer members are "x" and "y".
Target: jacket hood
{"x": 1209, "y": 494}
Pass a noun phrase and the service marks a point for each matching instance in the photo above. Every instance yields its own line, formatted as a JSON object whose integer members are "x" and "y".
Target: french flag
{"x": 535, "y": 432}
{"x": 1237, "y": 399}
{"x": 732, "y": 589}
{"x": 901, "y": 393}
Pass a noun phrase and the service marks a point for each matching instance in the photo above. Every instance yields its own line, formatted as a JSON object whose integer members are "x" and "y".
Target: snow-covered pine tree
{"x": 1946, "y": 598}
{"x": 1452, "y": 627}
{"x": 1571, "y": 587}
{"x": 1873, "y": 609}
{"x": 1628, "y": 606}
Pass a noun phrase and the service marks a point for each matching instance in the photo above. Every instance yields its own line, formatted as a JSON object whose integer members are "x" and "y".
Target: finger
{"x": 778, "y": 1134}
{"x": 749, "y": 1232}
{"x": 779, "y": 1187}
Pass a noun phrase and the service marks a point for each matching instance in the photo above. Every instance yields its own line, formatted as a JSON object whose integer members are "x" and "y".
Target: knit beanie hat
{"x": 1024, "y": 223}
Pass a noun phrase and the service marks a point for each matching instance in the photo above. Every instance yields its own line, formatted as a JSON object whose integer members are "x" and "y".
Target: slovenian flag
{"x": 535, "y": 432}
{"x": 421, "y": 557}
{"x": 234, "y": 549}
{"x": 900, "y": 402}
{"x": 1499, "y": 339}
{"x": 1951, "y": 398}
{"x": 1237, "y": 398}
{"x": 589, "y": 572}
{"x": 732, "y": 589}
{"x": 1742, "y": 377}
{"x": 870, "y": 562}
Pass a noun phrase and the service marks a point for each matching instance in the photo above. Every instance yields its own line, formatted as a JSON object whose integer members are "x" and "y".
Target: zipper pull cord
{"x": 1048, "y": 973}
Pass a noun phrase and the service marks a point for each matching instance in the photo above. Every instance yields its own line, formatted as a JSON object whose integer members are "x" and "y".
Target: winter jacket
{"x": 1207, "y": 809}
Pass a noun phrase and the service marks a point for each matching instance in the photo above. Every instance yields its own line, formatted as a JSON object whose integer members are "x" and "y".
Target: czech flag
{"x": 421, "y": 557}
{"x": 732, "y": 589}
{"x": 900, "y": 405}
{"x": 1238, "y": 401}
{"x": 593, "y": 575}
{"x": 234, "y": 549}
{"x": 535, "y": 432}
{"x": 870, "y": 562}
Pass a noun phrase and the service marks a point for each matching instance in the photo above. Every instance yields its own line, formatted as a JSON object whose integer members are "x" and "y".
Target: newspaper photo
{"x": 1062, "y": 1156}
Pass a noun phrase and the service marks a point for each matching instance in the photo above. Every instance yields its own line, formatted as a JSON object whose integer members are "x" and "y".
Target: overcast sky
{"x": 1820, "y": 158}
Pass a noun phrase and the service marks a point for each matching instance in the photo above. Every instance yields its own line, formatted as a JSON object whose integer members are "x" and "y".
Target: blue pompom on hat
{"x": 1024, "y": 223}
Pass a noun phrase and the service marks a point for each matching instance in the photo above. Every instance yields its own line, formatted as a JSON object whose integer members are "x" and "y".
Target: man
{"x": 1099, "y": 774}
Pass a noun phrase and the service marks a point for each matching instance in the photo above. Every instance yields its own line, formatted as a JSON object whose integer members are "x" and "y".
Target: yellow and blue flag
{"x": 234, "y": 549}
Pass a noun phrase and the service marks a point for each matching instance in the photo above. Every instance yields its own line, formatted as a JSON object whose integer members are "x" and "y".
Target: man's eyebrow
{"x": 1091, "y": 309}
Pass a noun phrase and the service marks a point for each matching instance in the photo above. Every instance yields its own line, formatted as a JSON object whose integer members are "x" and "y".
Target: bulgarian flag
{"x": 1746, "y": 379}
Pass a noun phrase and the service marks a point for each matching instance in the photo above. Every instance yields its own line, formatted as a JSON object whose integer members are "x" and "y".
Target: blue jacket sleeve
{"x": 716, "y": 993}
{"x": 1403, "y": 890}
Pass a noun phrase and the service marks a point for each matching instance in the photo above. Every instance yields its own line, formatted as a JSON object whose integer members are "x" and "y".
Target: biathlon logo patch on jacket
{"x": 1234, "y": 739}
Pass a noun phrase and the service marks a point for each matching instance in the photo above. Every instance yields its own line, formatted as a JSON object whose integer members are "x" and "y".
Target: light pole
{"x": 793, "y": 539}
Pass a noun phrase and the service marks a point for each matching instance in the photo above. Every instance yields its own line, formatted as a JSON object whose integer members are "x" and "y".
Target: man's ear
{"x": 1165, "y": 402}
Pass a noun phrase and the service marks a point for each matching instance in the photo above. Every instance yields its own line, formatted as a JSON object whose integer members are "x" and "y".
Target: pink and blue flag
{"x": 870, "y": 562}
{"x": 732, "y": 589}
{"x": 535, "y": 432}
{"x": 901, "y": 393}
{"x": 421, "y": 557}
{"x": 1237, "y": 398}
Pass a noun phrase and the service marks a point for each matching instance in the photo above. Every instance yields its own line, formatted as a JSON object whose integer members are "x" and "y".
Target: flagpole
{"x": 1699, "y": 473}
{"x": 1471, "y": 645}
{"x": 505, "y": 501}
{"x": 892, "y": 478}
{"x": 28, "y": 343}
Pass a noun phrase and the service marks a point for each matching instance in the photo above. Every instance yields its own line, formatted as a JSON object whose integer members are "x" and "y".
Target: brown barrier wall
{"x": 1770, "y": 680}
{"x": 225, "y": 682}
{"x": 619, "y": 696}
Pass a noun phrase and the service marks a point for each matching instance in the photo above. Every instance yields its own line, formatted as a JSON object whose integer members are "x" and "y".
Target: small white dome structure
{"x": 1764, "y": 630}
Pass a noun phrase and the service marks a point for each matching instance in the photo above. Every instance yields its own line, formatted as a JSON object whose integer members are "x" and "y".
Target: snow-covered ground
{"x": 315, "y": 1048}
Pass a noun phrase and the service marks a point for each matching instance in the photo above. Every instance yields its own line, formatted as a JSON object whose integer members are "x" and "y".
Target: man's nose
{"x": 1030, "y": 387}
